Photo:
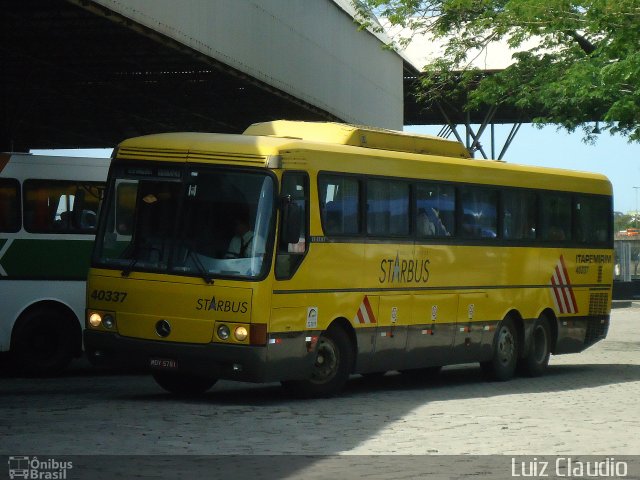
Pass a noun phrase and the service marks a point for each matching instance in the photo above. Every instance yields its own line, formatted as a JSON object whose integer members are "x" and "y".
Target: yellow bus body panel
{"x": 190, "y": 305}
{"x": 397, "y": 295}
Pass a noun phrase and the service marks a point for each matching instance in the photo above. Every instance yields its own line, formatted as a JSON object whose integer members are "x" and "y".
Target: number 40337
{"x": 109, "y": 296}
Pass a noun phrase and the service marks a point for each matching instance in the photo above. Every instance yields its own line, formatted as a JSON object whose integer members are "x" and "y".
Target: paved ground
{"x": 587, "y": 404}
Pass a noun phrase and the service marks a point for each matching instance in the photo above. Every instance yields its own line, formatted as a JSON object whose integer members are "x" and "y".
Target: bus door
{"x": 432, "y": 330}
{"x": 467, "y": 345}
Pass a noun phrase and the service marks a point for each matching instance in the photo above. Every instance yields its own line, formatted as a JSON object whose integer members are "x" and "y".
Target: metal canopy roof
{"x": 75, "y": 74}
{"x": 74, "y": 77}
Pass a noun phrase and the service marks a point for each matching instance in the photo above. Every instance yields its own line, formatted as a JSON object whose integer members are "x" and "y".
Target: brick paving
{"x": 587, "y": 404}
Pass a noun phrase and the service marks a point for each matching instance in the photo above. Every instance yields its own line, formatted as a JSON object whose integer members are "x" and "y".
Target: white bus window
{"x": 53, "y": 206}
{"x": 9, "y": 205}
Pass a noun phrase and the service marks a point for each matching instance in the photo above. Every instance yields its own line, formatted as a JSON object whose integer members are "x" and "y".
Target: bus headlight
{"x": 107, "y": 321}
{"x": 241, "y": 333}
{"x": 223, "y": 332}
{"x": 95, "y": 320}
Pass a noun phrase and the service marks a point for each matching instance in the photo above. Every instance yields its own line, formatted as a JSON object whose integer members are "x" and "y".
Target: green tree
{"x": 623, "y": 221}
{"x": 584, "y": 65}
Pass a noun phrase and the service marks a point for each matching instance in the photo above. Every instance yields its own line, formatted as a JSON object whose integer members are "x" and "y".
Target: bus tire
{"x": 503, "y": 365}
{"x": 44, "y": 341}
{"x": 182, "y": 383}
{"x": 537, "y": 359}
{"x": 332, "y": 366}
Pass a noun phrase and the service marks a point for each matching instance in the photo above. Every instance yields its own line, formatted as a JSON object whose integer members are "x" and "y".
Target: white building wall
{"x": 310, "y": 49}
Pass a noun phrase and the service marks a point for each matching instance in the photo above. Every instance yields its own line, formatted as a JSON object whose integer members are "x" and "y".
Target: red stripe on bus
{"x": 367, "y": 305}
{"x": 563, "y": 292}
{"x": 557, "y": 294}
{"x": 566, "y": 275}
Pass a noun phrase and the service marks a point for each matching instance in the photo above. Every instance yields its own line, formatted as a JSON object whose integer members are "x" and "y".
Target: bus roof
{"x": 27, "y": 165}
{"x": 361, "y": 136}
{"x": 269, "y": 138}
{"x": 261, "y": 143}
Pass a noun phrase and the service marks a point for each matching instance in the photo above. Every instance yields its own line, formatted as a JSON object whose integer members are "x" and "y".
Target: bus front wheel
{"x": 332, "y": 366}
{"x": 43, "y": 342}
{"x": 182, "y": 383}
{"x": 502, "y": 366}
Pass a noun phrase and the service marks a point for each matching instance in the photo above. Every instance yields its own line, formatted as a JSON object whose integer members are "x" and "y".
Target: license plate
{"x": 163, "y": 363}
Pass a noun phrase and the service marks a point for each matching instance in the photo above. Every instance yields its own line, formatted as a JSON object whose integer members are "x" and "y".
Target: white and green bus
{"x": 48, "y": 210}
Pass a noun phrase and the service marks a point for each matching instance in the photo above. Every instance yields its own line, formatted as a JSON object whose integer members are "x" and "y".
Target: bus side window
{"x": 435, "y": 210}
{"x": 55, "y": 206}
{"x": 593, "y": 225}
{"x": 290, "y": 255}
{"x": 387, "y": 208}
{"x": 556, "y": 217}
{"x": 46, "y": 205}
{"x": 9, "y": 205}
{"x": 339, "y": 204}
{"x": 86, "y": 206}
{"x": 479, "y": 207}
{"x": 518, "y": 215}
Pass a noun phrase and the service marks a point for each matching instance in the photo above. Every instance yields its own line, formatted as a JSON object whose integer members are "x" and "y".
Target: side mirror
{"x": 291, "y": 223}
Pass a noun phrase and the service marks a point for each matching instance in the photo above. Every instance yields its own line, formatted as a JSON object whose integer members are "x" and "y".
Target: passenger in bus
{"x": 88, "y": 220}
{"x": 429, "y": 223}
{"x": 64, "y": 223}
{"x": 241, "y": 244}
{"x": 424, "y": 226}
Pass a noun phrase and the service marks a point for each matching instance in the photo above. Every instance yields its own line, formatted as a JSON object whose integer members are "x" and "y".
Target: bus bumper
{"x": 232, "y": 362}
{"x": 576, "y": 334}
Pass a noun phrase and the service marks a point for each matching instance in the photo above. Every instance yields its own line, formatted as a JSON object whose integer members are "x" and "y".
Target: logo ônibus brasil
{"x": 34, "y": 468}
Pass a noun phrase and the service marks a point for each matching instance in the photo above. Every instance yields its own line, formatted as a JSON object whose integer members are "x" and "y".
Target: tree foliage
{"x": 584, "y": 65}
{"x": 623, "y": 221}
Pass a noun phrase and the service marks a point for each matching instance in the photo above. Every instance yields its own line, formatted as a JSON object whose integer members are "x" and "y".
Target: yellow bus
{"x": 305, "y": 252}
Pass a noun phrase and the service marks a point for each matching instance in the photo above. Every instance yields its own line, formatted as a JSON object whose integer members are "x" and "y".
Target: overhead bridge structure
{"x": 87, "y": 73}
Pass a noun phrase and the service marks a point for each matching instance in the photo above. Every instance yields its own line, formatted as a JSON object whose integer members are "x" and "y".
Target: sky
{"x": 546, "y": 147}
{"x": 612, "y": 156}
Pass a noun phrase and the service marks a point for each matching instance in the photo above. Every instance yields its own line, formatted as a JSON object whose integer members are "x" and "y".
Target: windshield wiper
{"x": 127, "y": 271}
{"x": 203, "y": 271}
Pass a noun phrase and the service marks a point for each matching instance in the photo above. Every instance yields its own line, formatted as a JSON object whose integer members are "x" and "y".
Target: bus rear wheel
{"x": 43, "y": 342}
{"x": 332, "y": 366}
{"x": 183, "y": 383}
{"x": 503, "y": 365}
{"x": 537, "y": 359}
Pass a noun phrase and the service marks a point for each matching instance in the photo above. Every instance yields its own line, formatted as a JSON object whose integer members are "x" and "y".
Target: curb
{"x": 621, "y": 303}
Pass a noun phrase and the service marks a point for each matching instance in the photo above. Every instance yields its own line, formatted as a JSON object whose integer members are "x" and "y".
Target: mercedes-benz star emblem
{"x": 163, "y": 328}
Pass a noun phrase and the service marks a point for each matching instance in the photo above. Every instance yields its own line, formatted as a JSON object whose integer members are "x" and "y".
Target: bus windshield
{"x": 210, "y": 222}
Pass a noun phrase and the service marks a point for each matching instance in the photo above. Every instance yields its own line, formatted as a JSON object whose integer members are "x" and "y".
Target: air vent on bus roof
{"x": 360, "y": 136}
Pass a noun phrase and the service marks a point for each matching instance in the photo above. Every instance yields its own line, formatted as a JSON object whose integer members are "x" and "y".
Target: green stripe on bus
{"x": 47, "y": 259}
